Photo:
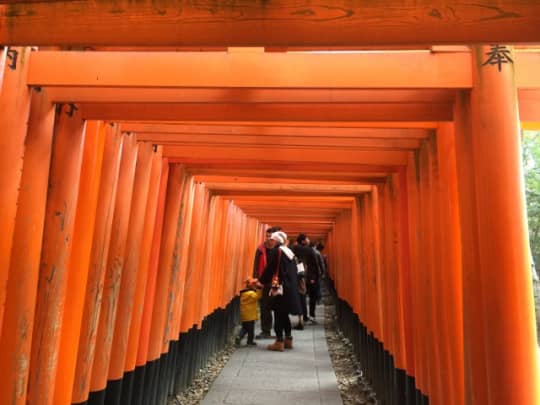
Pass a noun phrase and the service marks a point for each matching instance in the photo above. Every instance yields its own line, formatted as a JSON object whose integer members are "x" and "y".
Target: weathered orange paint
{"x": 186, "y": 239}
{"x": 79, "y": 261}
{"x": 132, "y": 264}
{"x": 168, "y": 266}
{"x": 178, "y": 273}
{"x": 146, "y": 246}
{"x": 14, "y": 110}
{"x": 67, "y": 153}
{"x": 115, "y": 264}
{"x": 146, "y": 324}
{"x": 98, "y": 261}
{"x": 190, "y": 313}
{"x": 15, "y": 342}
{"x": 198, "y": 257}
{"x": 287, "y": 24}
{"x": 207, "y": 287}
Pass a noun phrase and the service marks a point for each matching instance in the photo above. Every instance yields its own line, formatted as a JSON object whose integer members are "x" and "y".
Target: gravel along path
{"x": 194, "y": 394}
{"x": 352, "y": 383}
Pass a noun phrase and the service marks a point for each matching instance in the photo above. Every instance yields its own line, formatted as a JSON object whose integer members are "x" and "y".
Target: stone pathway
{"x": 256, "y": 376}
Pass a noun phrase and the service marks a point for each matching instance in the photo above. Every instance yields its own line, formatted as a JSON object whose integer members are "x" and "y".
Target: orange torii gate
{"x": 406, "y": 162}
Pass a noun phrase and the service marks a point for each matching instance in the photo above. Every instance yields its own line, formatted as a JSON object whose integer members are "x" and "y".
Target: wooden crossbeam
{"x": 95, "y": 94}
{"x": 298, "y": 175}
{"x": 304, "y": 142}
{"x": 324, "y": 130}
{"x": 268, "y": 111}
{"x": 285, "y": 23}
{"x": 286, "y": 188}
{"x": 282, "y": 155}
{"x": 221, "y": 70}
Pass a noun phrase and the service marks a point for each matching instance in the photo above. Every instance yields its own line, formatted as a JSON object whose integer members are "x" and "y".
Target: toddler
{"x": 248, "y": 310}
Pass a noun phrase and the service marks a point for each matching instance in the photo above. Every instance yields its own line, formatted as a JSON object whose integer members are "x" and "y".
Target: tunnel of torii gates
{"x": 145, "y": 149}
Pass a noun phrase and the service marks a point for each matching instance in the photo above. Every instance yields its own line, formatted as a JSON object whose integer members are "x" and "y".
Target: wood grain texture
{"x": 267, "y": 23}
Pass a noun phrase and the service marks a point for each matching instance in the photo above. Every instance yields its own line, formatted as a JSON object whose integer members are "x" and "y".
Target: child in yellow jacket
{"x": 249, "y": 298}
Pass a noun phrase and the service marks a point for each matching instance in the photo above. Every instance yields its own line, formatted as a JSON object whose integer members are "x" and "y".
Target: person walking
{"x": 281, "y": 273}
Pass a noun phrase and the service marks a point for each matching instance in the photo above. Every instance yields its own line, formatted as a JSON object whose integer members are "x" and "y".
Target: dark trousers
{"x": 303, "y": 303}
{"x": 248, "y": 328}
{"x": 266, "y": 311}
{"x": 313, "y": 292}
{"x": 282, "y": 323}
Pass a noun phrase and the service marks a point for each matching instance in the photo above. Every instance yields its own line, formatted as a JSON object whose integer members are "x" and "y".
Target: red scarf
{"x": 262, "y": 259}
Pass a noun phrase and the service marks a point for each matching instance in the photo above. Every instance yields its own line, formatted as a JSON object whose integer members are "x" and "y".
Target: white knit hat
{"x": 283, "y": 235}
{"x": 277, "y": 236}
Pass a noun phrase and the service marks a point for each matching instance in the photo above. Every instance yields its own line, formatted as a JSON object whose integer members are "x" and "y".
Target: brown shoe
{"x": 277, "y": 346}
{"x": 288, "y": 343}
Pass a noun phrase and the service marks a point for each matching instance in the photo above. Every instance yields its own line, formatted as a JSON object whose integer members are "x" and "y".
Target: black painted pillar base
{"x": 127, "y": 387}
{"x": 96, "y": 398}
{"x": 392, "y": 385}
{"x": 175, "y": 370}
{"x": 113, "y": 392}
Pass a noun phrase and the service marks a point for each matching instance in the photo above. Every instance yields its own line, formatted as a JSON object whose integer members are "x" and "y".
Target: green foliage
{"x": 531, "y": 166}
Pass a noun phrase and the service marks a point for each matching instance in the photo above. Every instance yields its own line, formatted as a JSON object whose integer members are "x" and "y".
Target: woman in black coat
{"x": 281, "y": 262}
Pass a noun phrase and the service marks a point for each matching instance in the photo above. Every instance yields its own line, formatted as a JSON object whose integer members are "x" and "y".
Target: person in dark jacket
{"x": 281, "y": 270}
{"x": 258, "y": 267}
{"x": 307, "y": 255}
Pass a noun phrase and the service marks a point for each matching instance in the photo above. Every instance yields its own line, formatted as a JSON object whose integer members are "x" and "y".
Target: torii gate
{"x": 420, "y": 139}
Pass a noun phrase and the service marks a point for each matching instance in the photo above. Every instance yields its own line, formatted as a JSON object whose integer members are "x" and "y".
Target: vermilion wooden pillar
{"x": 185, "y": 248}
{"x": 207, "y": 288}
{"x": 57, "y": 241}
{"x": 198, "y": 255}
{"x": 142, "y": 372}
{"x": 504, "y": 270}
{"x": 427, "y": 270}
{"x": 475, "y": 376}
{"x": 452, "y": 274}
{"x": 79, "y": 261}
{"x": 130, "y": 271}
{"x": 168, "y": 266}
{"x": 400, "y": 275}
{"x": 376, "y": 217}
{"x": 146, "y": 247}
{"x": 157, "y": 322}
{"x": 113, "y": 273}
{"x": 356, "y": 267}
{"x": 418, "y": 309}
{"x": 190, "y": 312}
{"x": 15, "y": 343}
{"x": 405, "y": 271}
{"x": 98, "y": 261}
{"x": 14, "y": 109}
{"x": 229, "y": 284}
{"x": 182, "y": 243}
